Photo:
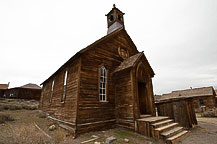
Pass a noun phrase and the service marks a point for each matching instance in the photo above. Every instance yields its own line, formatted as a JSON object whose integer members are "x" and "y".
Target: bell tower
{"x": 115, "y": 19}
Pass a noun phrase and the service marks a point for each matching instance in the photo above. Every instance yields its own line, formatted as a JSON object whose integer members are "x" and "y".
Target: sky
{"x": 178, "y": 37}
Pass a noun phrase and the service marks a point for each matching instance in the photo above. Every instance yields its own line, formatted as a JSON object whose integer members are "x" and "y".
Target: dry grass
{"x": 24, "y": 131}
{"x": 27, "y": 134}
{"x": 5, "y": 117}
{"x": 18, "y": 104}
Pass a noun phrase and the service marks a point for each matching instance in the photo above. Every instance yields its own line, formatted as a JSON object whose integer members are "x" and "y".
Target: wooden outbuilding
{"x": 180, "y": 109}
{"x": 3, "y": 87}
{"x": 216, "y": 98}
{"x": 182, "y": 104}
{"x": 28, "y": 91}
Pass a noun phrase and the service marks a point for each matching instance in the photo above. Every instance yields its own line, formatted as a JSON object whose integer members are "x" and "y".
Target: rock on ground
{"x": 52, "y": 127}
{"x": 110, "y": 139}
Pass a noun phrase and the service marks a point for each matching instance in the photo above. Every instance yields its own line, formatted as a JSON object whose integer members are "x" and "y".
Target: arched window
{"x": 51, "y": 94}
{"x": 64, "y": 87}
{"x": 102, "y": 88}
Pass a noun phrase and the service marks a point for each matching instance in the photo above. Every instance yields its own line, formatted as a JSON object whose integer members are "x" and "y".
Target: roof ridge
{"x": 85, "y": 49}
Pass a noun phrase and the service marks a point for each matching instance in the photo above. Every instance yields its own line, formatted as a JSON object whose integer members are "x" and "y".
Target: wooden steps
{"x": 162, "y": 123}
{"x": 145, "y": 116}
{"x": 166, "y": 127}
{"x": 175, "y": 138}
{"x": 153, "y": 119}
{"x": 160, "y": 128}
{"x": 171, "y": 132}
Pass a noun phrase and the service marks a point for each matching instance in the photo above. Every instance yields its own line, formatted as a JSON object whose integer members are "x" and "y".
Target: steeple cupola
{"x": 115, "y": 19}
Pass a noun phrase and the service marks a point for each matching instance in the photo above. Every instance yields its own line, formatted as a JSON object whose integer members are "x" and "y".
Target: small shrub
{"x": 17, "y": 104}
{"x": 15, "y": 107}
{"x": 30, "y": 107}
{"x": 5, "y": 117}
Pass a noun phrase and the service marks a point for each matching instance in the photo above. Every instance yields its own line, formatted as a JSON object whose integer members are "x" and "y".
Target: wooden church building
{"x": 106, "y": 84}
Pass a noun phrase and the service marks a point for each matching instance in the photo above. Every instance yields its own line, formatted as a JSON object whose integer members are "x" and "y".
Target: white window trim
{"x": 64, "y": 87}
{"x": 52, "y": 88}
{"x": 101, "y": 95}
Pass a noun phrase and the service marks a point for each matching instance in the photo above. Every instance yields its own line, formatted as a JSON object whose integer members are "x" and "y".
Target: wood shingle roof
{"x": 31, "y": 86}
{"x": 3, "y": 86}
{"x": 188, "y": 93}
{"x": 129, "y": 62}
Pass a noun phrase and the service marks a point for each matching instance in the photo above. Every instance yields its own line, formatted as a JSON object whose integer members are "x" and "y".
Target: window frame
{"x": 104, "y": 77}
{"x": 63, "y": 98}
{"x": 52, "y": 89}
{"x": 201, "y": 101}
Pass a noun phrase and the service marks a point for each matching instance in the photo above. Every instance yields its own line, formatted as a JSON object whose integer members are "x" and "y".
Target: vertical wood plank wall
{"x": 63, "y": 111}
{"x": 181, "y": 111}
{"x": 93, "y": 114}
{"x": 209, "y": 101}
{"x": 23, "y": 93}
{"x": 82, "y": 106}
{"x": 124, "y": 100}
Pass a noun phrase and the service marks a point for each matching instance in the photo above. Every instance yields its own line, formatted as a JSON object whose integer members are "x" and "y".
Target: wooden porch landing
{"x": 160, "y": 127}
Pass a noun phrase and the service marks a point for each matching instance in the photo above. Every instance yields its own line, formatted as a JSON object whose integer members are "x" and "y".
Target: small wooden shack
{"x": 182, "y": 104}
{"x": 180, "y": 109}
{"x": 3, "y": 87}
{"x": 216, "y": 98}
{"x": 28, "y": 91}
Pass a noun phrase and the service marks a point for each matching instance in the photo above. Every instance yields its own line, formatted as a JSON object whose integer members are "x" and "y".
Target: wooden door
{"x": 143, "y": 98}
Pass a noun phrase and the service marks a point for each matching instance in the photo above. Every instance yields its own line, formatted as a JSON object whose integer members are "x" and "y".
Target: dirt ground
{"x": 204, "y": 133}
{"x": 23, "y": 131}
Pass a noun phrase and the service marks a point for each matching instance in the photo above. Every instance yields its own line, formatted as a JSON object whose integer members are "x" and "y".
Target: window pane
{"x": 104, "y": 71}
{"x": 52, "y": 86}
{"x": 65, "y": 79}
{"x": 101, "y": 79}
{"x": 101, "y": 72}
{"x": 102, "y": 91}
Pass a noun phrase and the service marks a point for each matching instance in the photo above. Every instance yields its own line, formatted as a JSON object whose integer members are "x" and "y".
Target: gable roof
{"x": 3, "y": 86}
{"x": 114, "y": 8}
{"x": 128, "y": 62}
{"x": 106, "y": 37}
{"x": 31, "y": 86}
{"x": 188, "y": 93}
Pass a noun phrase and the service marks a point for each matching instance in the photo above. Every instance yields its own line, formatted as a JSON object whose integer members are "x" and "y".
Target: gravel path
{"x": 204, "y": 133}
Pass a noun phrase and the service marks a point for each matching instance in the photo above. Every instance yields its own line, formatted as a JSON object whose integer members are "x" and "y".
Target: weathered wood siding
{"x": 23, "y": 93}
{"x": 208, "y": 101}
{"x": 82, "y": 106}
{"x": 147, "y": 79}
{"x": 63, "y": 111}
{"x": 124, "y": 100}
{"x": 181, "y": 111}
{"x": 93, "y": 114}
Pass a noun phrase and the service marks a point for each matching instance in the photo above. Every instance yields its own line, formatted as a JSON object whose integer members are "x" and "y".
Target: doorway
{"x": 143, "y": 98}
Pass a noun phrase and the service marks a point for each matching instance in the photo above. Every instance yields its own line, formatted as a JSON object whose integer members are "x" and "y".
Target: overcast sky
{"x": 178, "y": 37}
